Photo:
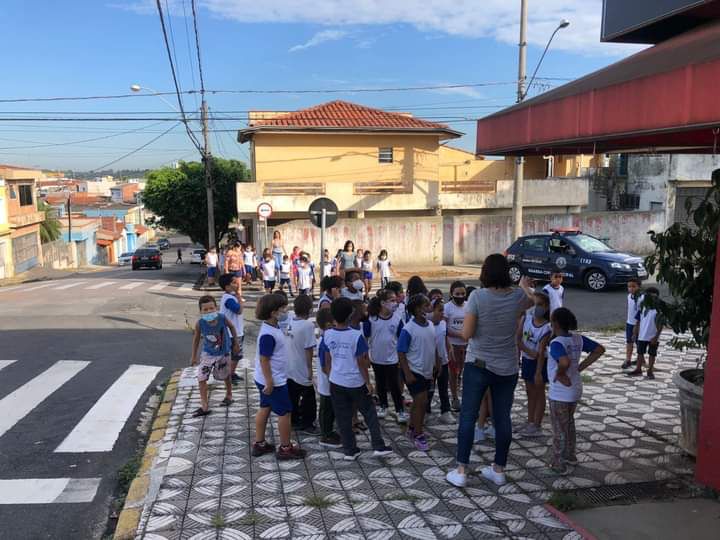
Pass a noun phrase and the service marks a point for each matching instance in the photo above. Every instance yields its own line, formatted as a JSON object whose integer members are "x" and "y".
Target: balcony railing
{"x": 469, "y": 186}
{"x": 310, "y": 189}
{"x": 23, "y": 220}
{"x": 390, "y": 187}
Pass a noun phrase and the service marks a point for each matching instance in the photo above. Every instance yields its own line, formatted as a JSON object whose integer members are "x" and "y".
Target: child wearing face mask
{"x": 330, "y": 288}
{"x": 354, "y": 286}
{"x": 382, "y": 330}
{"x": 533, "y": 335}
{"x": 268, "y": 269}
{"x": 443, "y": 346}
{"x": 454, "y": 312}
{"x": 213, "y": 330}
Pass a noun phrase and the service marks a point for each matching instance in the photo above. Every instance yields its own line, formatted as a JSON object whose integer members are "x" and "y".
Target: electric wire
{"x": 135, "y": 151}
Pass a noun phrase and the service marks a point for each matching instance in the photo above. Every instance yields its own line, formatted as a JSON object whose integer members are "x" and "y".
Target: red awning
{"x": 662, "y": 99}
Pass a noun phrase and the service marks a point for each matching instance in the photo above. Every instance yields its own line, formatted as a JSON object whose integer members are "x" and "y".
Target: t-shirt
{"x": 327, "y": 268}
{"x": 383, "y": 266}
{"x": 249, "y": 258}
{"x": 273, "y": 344}
{"x": 358, "y": 262}
{"x": 304, "y": 277}
{"x": 215, "y": 337}
{"x": 648, "y": 324}
{"x": 633, "y": 306}
{"x": 532, "y": 335}
{"x": 367, "y": 265}
{"x": 211, "y": 259}
{"x": 347, "y": 293}
{"x": 440, "y": 336}
{"x": 231, "y": 309}
{"x": 347, "y": 259}
{"x": 324, "y": 301}
{"x": 285, "y": 269}
{"x": 383, "y": 336}
{"x": 268, "y": 270}
{"x": 323, "y": 383}
{"x": 497, "y": 313}
{"x": 571, "y": 346}
{"x": 557, "y": 296}
{"x": 300, "y": 338}
{"x": 345, "y": 346}
{"x": 418, "y": 343}
{"x": 455, "y": 316}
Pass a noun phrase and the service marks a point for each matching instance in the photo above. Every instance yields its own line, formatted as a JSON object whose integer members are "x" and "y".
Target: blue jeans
{"x": 475, "y": 381}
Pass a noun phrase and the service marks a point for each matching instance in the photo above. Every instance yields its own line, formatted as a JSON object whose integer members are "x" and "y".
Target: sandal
{"x": 226, "y": 402}
{"x": 201, "y": 412}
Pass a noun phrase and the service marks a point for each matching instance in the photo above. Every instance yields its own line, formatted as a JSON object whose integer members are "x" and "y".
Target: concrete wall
{"x": 58, "y": 254}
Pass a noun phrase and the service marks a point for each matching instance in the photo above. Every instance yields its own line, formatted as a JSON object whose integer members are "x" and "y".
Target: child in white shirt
{"x": 367, "y": 269}
{"x": 454, "y": 312}
{"x": 634, "y": 301}
{"x": 555, "y": 291}
{"x": 268, "y": 269}
{"x": 443, "y": 346}
{"x": 328, "y": 436}
{"x": 301, "y": 344}
{"x": 383, "y": 268}
{"x": 231, "y": 309}
{"x": 286, "y": 274}
{"x": 305, "y": 277}
{"x": 647, "y": 332}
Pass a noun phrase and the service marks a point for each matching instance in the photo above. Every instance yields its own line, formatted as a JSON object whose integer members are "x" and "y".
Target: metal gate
{"x": 81, "y": 253}
{"x": 25, "y": 252}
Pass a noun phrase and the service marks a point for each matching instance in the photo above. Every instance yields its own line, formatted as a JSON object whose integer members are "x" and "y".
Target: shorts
{"x": 249, "y": 269}
{"x": 284, "y": 281}
{"x": 420, "y": 385}
{"x": 646, "y": 347}
{"x": 278, "y": 400}
{"x": 456, "y": 364}
{"x": 219, "y": 366}
{"x": 368, "y": 276}
{"x": 269, "y": 284}
{"x": 629, "y": 331}
{"x": 212, "y": 271}
{"x": 529, "y": 367}
{"x": 239, "y": 356}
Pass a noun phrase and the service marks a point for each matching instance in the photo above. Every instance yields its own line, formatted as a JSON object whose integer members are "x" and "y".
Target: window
{"x": 534, "y": 244}
{"x": 385, "y": 155}
{"x": 26, "y": 196}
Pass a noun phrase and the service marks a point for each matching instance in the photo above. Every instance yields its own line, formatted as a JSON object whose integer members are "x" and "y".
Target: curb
{"x": 569, "y": 522}
{"x": 129, "y": 518}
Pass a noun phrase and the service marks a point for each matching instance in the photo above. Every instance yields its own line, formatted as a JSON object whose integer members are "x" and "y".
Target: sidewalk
{"x": 203, "y": 482}
{"x": 40, "y": 273}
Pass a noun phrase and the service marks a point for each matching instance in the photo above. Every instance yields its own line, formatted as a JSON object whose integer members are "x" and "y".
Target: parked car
{"x": 164, "y": 243}
{"x": 581, "y": 258}
{"x": 144, "y": 257}
{"x": 125, "y": 258}
{"x": 151, "y": 246}
{"x": 197, "y": 256}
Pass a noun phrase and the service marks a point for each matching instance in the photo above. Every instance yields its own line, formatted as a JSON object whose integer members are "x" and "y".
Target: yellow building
{"x": 5, "y": 242}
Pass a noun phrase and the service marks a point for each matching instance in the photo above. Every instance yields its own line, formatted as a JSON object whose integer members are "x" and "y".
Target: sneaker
{"x": 262, "y": 448}
{"x": 572, "y": 460}
{"x": 236, "y": 378}
{"x": 447, "y": 418}
{"x": 479, "y": 435}
{"x": 532, "y": 431}
{"x": 626, "y": 365}
{"x": 561, "y": 470}
{"x": 650, "y": 375}
{"x": 490, "y": 431}
{"x": 382, "y": 412}
{"x": 383, "y": 451}
{"x": 353, "y": 456}
{"x": 455, "y": 406}
{"x": 310, "y": 430}
{"x": 456, "y": 479}
{"x": 331, "y": 441}
{"x": 290, "y": 452}
{"x": 421, "y": 443}
{"x": 402, "y": 417}
{"x": 635, "y": 373}
{"x": 410, "y": 433}
{"x": 490, "y": 474}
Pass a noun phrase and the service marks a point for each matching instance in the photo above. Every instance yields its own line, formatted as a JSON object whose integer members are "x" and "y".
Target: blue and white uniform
{"x": 571, "y": 346}
{"x": 418, "y": 343}
{"x": 382, "y": 335}
{"x": 345, "y": 346}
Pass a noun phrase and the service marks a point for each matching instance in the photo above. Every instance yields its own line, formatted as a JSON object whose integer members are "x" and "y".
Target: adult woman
{"x": 278, "y": 250}
{"x": 346, "y": 258}
{"x": 491, "y": 363}
{"x": 233, "y": 260}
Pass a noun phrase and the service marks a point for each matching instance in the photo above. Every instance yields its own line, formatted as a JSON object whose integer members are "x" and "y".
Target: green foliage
{"x": 684, "y": 259}
{"x": 178, "y": 197}
{"x": 564, "y": 501}
{"x": 50, "y": 229}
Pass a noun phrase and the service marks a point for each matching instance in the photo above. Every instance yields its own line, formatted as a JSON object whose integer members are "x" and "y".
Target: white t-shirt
{"x": 304, "y": 277}
{"x": 347, "y": 293}
{"x": 367, "y": 266}
{"x": 272, "y": 342}
{"x": 571, "y": 346}
{"x": 384, "y": 268}
{"x": 440, "y": 335}
{"x": 249, "y": 258}
{"x": 345, "y": 346}
{"x": 211, "y": 259}
{"x": 300, "y": 338}
{"x": 229, "y": 305}
{"x": 383, "y": 335}
{"x": 532, "y": 335}
{"x": 648, "y": 327}
{"x": 285, "y": 269}
{"x": 557, "y": 296}
{"x": 323, "y": 383}
{"x": 358, "y": 262}
{"x": 268, "y": 270}
{"x": 418, "y": 343}
{"x": 328, "y": 266}
{"x": 324, "y": 299}
{"x": 633, "y": 306}
{"x": 455, "y": 317}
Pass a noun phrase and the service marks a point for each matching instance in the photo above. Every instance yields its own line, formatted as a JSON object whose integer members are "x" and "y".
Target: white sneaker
{"x": 479, "y": 435}
{"x": 456, "y": 479}
{"x": 490, "y": 431}
{"x": 382, "y": 412}
{"x": 447, "y": 418}
{"x": 495, "y": 477}
{"x": 402, "y": 417}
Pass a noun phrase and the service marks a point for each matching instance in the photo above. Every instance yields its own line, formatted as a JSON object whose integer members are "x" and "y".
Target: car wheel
{"x": 515, "y": 273}
{"x": 596, "y": 280}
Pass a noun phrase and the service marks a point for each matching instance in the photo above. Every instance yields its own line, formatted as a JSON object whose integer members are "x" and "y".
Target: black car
{"x": 581, "y": 258}
{"x": 148, "y": 258}
{"x": 164, "y": 243}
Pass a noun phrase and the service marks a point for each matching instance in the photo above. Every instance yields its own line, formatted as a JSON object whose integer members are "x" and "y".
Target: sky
{"x": 332, "y": 47}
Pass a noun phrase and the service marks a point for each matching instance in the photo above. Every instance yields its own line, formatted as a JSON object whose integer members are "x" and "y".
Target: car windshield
{"x": 590, "y": 244}
{"x": 146, "y": 252}
{"x": 126, "y": 255}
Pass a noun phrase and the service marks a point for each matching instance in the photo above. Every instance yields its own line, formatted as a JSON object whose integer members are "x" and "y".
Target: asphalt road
{"x": 71, "y": 340}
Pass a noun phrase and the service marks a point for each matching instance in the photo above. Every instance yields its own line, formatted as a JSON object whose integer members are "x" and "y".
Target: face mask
{"x": 390, "y": 306}
{"x": 209, "y": 317}
{"x": 358, "y": 285}
{"x": 459, "y": 300}
{"x": 541, "y": 312}
{"x": 282, "y": 316}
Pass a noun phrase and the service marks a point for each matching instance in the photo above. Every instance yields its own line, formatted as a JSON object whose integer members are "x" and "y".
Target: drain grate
{"x": 631, "y": 493}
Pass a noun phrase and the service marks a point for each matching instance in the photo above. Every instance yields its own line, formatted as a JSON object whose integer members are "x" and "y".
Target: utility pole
{"x": 69, "y": 213}
{"x": 207, "y": 160}
{"x": 519, "y": 160}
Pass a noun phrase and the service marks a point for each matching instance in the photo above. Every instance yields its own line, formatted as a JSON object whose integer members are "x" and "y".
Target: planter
{"x": 690, "y": 395}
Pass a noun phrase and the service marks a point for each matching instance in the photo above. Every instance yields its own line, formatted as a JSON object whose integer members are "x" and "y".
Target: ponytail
{"x": 374, "y": 307}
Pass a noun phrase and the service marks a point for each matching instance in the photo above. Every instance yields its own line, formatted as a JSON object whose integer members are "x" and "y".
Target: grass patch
{"x": 318, "y": 501}
{"x": 127, "y": 473}
{"x": 612, "y": 328}
{"x": 218, "y": 521}
{"x": 586, "y": 379}
{"x": 253, "y": 518}
{"x": 564, "y": 501}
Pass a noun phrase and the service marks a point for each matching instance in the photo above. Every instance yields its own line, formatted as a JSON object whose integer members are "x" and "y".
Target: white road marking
{"x": 68, "y": 286}
{"x": 5, "y": 363}
{"x": 6, "y": 289}
{"x": 187, "y": 287}
{"x": 48, "y": 490}
{"x": 100, "y": 427}
{"x": 24, "y": 399}
{"x": 36, "y": 287}
{"x": 130, "y": 286}
{"x": 100, "y": 285}
{"x": 160, "y": 286}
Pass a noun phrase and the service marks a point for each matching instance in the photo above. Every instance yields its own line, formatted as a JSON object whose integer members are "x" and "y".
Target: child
{"x": 443, "y": 346}
{"x": 533, "y": 335}
{"x": 397, "y": 288}
{"x": 231, "y": 309}
{"x": 555, "y": 291}
{"x": 419, "y": 361}
{"x": 383, "y": 268}
{"x": 435, "y": 294}
{"x": 328, "y": 436}
{"x": 647, "y": 332}
{"x": 305, "y": 276}
{"x": 382, "y": 330}
{"x": 250, "y": 262}
{"x": 455, "y": 316}
{"x": 359, "y": 258}
{"x": 367, "y": 268}
{"x": 564, "y": 369}
{"x": 354, "y": 285}
{"x": 347, "y": 364}
{"x": 271, "y": 363}
{"x": 212, "y": 329}
{"x": 634, "y": 300}
{"x": 328, "y": 266}
{"x": 301, "y": 344}
{"x": 286, "y": 270}
{"x": 268, "y": 270}
{"x": 330, "y": 289}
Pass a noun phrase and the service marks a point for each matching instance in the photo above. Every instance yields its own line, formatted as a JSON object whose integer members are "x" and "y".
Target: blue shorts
{"x": 278, "y": 400}
{"x": 420, "y": 385}
{"x": 212, "y": 271}
{"x": 629, "y": 331}
{"x": 529, "y": 367}
{"x": 248, "y": 269}
{"x": 269, "y": 284}
{"x": 369, "y": 275}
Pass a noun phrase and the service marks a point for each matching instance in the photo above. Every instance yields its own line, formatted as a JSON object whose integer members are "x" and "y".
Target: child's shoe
{"x": 421, "y": 442}
{"x": 402, "y": 417}
{"x": 290, "y": 452}
{"x": 331, "y": 441}
{"x": 262, "y": 448}
{"x": 382, "y": 412}
{"x": 382, "y": 451}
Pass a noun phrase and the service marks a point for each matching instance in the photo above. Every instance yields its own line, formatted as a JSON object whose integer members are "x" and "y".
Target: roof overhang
{"x": 662, "y": 99}
{"x": 247, "y": 134}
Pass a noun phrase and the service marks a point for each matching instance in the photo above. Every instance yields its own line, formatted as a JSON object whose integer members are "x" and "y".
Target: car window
{"x": 533, "y": 243}
{"x": 560, "y": 245}
{"x": 591, "y": 244}
{"x": 127, "y": 254}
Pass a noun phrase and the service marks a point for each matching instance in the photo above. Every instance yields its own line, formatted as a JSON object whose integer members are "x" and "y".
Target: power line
{"x": 197, "y": 47}
{"x": 187, "y": 42}
{"x": 137, "y": 149}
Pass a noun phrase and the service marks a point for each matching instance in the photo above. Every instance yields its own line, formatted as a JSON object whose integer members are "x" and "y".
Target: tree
{"x": 50, "y": 228}
{"x": 179, "y": 200}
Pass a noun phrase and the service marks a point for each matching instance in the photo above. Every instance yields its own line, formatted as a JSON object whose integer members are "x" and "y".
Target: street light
{"x": 563, "y": 24}
{"x": 137, "y": 89}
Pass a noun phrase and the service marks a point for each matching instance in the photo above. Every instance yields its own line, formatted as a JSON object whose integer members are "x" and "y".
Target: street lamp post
{"x": 522, "y": 90}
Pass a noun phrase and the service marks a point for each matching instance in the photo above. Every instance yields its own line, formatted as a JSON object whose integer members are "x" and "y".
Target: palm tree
{"x": 50, "y": 229}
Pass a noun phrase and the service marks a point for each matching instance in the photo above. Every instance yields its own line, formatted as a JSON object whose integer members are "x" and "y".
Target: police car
{"x": 580, "y": 258}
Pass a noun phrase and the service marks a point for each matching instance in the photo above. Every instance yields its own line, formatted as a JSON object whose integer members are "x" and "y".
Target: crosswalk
{"x": 99, "y": 286}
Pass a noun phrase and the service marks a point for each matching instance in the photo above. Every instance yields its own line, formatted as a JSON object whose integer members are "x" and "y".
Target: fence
{"x": 58, "y": 255}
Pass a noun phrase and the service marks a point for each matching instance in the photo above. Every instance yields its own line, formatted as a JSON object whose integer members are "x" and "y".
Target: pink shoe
{"x": 421, "y": 443}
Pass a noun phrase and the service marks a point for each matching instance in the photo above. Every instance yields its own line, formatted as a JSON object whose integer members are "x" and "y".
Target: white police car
{"x": 581, "y": 258}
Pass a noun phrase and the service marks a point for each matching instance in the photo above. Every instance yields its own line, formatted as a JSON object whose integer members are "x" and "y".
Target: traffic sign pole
{"x": 323, "y": 220}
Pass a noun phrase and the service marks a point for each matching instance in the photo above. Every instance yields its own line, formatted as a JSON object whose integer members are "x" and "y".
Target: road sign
{"x": 264, "y": 210}
{"x": 316, "y": 212}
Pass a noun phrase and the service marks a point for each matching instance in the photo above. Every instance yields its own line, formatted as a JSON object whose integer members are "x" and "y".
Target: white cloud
{"x": 319, "y": 38}
{"x": 467, "y": 91}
